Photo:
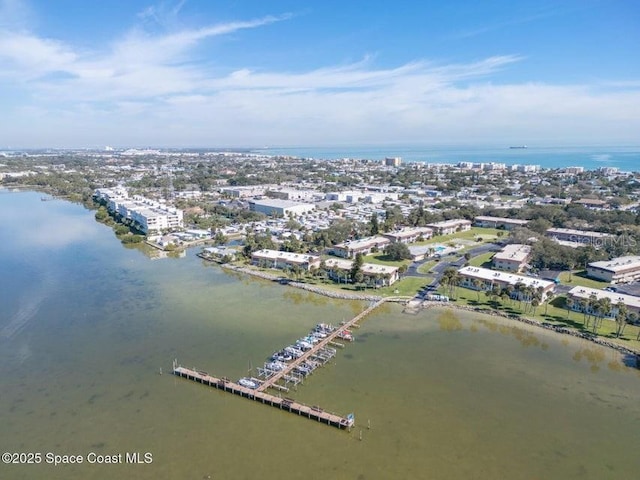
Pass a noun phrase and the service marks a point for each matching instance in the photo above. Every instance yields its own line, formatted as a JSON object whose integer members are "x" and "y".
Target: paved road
{"x": 454, "y": 260}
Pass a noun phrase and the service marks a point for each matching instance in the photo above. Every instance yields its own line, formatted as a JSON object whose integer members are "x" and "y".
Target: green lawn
{"x": 553, "y": 313}
{"x": 485, "y": 234}
{"x": 380, "y": 258}
{"x": 579, "y": 278}
{"x": 480, "y": 260}
{"x": 408, "y": 286}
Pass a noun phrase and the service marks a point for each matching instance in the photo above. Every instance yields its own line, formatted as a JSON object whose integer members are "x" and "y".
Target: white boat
{"x": 275, "y": 366}
{"x": 304, "y": 345}
{"x": 247, "y": 382}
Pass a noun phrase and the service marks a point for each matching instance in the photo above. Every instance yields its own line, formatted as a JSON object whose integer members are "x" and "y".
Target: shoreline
{"x": 429, "y": 304}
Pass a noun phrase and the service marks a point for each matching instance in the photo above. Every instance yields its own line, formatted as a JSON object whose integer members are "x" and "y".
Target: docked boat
{"x": 247, "y": 382}
{"x": 346, "y": 335}
{"x": 275, "y": 366}
{"x": 304, "y": 346}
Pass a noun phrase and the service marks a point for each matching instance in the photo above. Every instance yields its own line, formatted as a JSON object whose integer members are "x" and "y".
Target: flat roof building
{"x": 616, "y": 270}
{"x": 576, "y": 238}
{"x": 499, "y": 222}
{"x": 448, "y": 227}
{"x": 375, "y": 275}
{"x": 280, "y": 208}
{"x": 584, "y": 294}
{"x": 364, "y": 246}
{"x": 488, "y": 278}
{"x": 409, "y": 235}
{"x": 512, "y": 258}
{"x": 284, "y": 260}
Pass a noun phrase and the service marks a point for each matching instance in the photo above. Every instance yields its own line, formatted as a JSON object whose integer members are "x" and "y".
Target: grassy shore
{"x": 553, "y": 313}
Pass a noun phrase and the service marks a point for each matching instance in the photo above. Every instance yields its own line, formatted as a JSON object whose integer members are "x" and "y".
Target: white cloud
{"x": 151, "y": 89}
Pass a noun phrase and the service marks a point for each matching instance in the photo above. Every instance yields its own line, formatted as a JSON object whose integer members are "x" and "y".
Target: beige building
{"x": 450, "y": 226}
{"x": 284, "y": 260}
{"x": 616, "y": 270}
{"x": 364, "y": 246}
{"x": 512, "y": 258}
{"x": 374, "y": 275}
{"x": 409, "y": 235}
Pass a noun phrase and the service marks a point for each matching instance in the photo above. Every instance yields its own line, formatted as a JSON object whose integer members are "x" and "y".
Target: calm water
{"x": 625, "y": 158}
{"x": 85, "y": 325}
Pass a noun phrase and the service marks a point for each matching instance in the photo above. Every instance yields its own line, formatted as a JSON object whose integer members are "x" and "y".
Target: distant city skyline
{"x": 323, "y": 73}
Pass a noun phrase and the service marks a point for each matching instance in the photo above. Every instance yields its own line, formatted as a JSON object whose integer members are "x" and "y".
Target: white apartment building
{"x": 488, "y": 278}
{"x": 581, "y": 295}
{"x": 616, "y": 270}
{"x": 149, "y": 216}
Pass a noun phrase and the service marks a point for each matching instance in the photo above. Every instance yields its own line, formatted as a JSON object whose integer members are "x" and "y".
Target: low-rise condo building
{"x": 409, "y": 235}
{"x": 448, "y": 227}
{"x": 512, "y": 258}
{"x": 478, "y": 278}
{"x": 499, "y": 222}
{"x": 364, "y": 246}
{"x": 581, "y": 297}
{"x": 576, "y": 238}
{"x": 374, "y": 275}
{"x": 284, "y": 260}
{"x": 616, "y": 270}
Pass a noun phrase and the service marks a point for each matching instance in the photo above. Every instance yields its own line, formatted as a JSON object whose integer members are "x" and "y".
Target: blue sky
{"x": 318, "y": 73}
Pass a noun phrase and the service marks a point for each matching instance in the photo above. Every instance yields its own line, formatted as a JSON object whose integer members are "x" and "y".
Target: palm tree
{"x": 621, "y": 318}
{"x": 568, "y": 303}
{"x": 477, "y": 284}
{"x": 534, "y": 304}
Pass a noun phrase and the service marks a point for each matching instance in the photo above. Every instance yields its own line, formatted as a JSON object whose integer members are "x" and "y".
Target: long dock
{"x": 259, "y": 394}
{"x": 271, "y": 381}
{"x": 290, "y": 405}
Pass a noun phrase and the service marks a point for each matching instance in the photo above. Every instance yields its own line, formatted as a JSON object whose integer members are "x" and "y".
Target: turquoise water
{"x": 625, "y": 158}
{"x": 86, "y": 325}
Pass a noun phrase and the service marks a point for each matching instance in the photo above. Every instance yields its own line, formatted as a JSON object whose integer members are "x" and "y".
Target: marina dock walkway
{"x": 290, "y": 405}
{"x": 260, "y": 395}
{"x": 271, "y": 381}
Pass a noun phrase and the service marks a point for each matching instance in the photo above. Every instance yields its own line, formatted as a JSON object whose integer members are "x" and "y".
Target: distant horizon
{"x": 405, "y": 146}
{"x": 182, "y": 73}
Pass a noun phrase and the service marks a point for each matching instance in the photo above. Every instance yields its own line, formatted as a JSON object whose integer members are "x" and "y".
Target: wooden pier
{"x": 288, "y": 404}
{"x": 271, "y": 381}
{"x": 260, "y": 395}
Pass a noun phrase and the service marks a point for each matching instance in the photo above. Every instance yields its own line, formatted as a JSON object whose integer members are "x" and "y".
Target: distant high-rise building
{"x": 392, "y": 161}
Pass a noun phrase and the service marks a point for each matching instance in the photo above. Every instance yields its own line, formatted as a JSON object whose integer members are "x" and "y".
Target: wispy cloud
{"x": 150, "y": 87}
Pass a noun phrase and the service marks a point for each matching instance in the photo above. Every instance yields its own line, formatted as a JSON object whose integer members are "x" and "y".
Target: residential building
{"x": 374, "y": 275}
{"x": 364, "y": 246}
{"x": 499, "y": 222}
{"x": 512, "y": 258}
{"x": 280, "y": 208}
{"x": 582, "y": 295}
{"x": 392, "y": 161}
{"x": 149, "y": 216}
{"x": 616, "y": 270}
{"x": 284, "y": 260}
{"x": 409, "y": 235}
{"x": 576, "y": 238}
{"x": 448, "y": 227}
{"x": 487, "y": 278}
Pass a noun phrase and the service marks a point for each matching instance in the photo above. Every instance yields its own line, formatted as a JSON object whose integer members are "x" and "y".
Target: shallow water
{"x": 86, "y": 325}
